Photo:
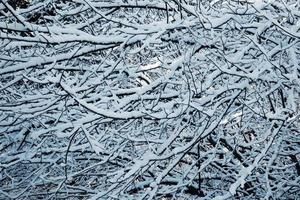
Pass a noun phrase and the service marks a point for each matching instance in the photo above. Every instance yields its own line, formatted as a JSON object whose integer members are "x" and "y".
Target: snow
{"x": 139, "y": 99}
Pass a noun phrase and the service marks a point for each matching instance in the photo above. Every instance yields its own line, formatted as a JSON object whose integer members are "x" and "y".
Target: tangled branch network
{"x": 149, "y": 99}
